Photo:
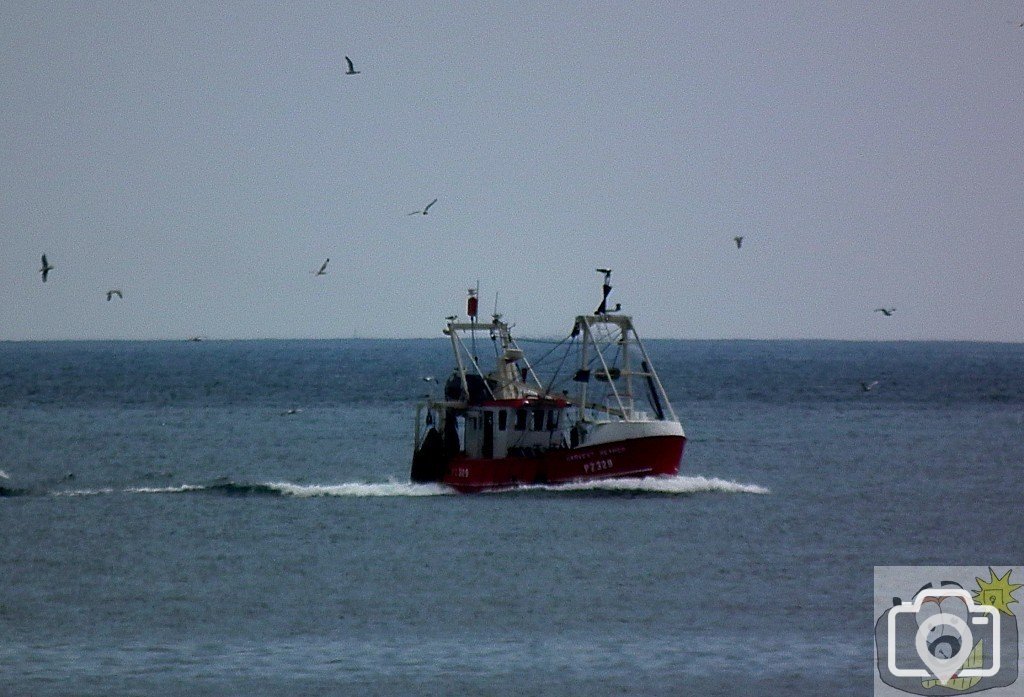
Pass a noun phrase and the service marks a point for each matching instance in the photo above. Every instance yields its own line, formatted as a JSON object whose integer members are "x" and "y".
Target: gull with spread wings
{"x": 46, "y": 269}
{"x": 424, "y": 211}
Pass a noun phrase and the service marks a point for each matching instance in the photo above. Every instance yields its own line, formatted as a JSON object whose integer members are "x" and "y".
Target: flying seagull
{"x": 112, "y": 292}
{"x": 886, "y": 311}
{"x": 424, "y": 211}
{"x": 323, "y": 269}
{"x": 351, "y": 68}
{"x": 1016, "y": 23}
{"x": 868, "y": 386}
{"x": 47, "y": 268}
{"x": 738, "y": 240}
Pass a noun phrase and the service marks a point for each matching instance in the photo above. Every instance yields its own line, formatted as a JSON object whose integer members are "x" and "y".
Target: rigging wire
{"x": 554, "y": 376}
{"x": 550, "y": 351}
{"x": 542, "y": 341}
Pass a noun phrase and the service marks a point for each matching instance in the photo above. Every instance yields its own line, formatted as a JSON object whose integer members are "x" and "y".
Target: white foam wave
{"x": 165, "y": 489}
{"x": 130, "y": 490}
{"x": 84, "y": 492}
{"x": 649, "y": 485}
{"x": 355, "y": 489}
{"x": 659, "y": 485}
{"x": 4, "y": 475}
{"x": 644, "y": 485}
{"x": 361, "y": 489}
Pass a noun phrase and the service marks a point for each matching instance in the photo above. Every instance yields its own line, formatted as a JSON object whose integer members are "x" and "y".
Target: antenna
{"x": 474, "y": 297}
{"x": 496, "y": 315}
{"x": 606, "y": 288}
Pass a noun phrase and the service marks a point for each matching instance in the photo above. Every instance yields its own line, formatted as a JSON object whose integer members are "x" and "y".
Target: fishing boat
{"x": 505, "y": 427}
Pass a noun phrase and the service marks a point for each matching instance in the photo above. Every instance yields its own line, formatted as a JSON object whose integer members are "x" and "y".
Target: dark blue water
{"x": 167, "y": 529}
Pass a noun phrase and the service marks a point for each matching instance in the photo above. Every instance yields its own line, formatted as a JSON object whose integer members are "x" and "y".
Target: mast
{"x": 624, "y": 343}
{"x": 606, "y": 370}
{"x": 458, "y": 355}
{"x": 604, "y": 330}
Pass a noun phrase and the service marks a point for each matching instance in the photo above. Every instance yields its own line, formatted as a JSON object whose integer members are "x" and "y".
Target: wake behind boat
{"x": 506, "y": 427}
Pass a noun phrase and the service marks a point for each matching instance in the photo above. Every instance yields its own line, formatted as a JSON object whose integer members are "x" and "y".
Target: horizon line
{"x": 520, "y": 338}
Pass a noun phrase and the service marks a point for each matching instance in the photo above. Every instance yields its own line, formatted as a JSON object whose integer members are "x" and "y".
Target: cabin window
{"x": 502, "y": 420}
{"x": 552, "y": 420}
{"x": 488, "y": 445}
{"x": 520, "y": 419}
{"x": 538, "y": 420}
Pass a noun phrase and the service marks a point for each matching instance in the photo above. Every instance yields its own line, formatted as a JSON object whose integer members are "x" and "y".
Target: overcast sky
{"x": 205, "y": 158}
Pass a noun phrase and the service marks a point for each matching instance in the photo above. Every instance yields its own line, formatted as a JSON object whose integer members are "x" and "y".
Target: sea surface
{"x": 166, "y": 527}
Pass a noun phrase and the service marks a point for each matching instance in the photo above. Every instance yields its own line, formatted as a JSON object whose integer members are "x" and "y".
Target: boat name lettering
{"x": 604, "y": 452}
{"x": 598, "y": 466}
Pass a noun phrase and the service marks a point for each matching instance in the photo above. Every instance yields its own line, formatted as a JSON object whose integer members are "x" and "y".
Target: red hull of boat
{"x": 640, "y": 457}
